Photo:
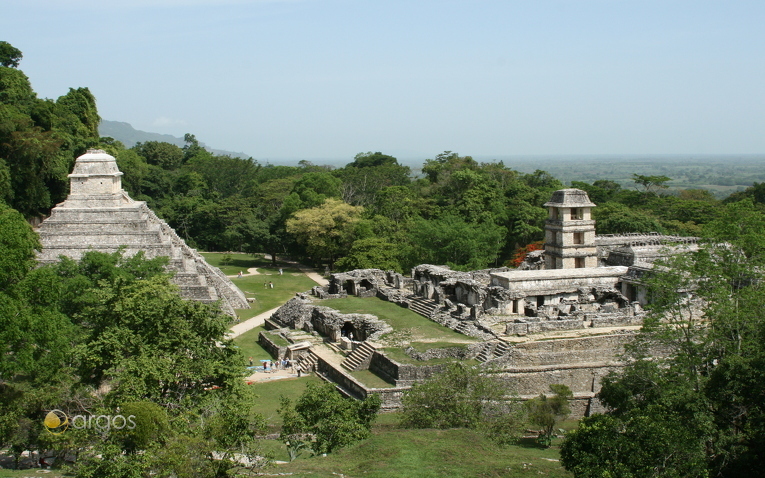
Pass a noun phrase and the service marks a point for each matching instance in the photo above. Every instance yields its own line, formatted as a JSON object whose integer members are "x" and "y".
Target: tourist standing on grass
{"x": 250, "y": 361}
{"x": 270, "y": 285}
{"x": 281, "y": 271}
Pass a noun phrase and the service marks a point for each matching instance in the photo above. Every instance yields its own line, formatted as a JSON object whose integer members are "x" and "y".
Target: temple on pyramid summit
{"x": 99, "y": 215}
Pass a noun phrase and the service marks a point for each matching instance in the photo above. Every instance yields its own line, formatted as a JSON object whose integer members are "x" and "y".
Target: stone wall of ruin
{"x": 301, "y": 313}
{"x": 579, "y": 363}
{"x": 403, "y": 375}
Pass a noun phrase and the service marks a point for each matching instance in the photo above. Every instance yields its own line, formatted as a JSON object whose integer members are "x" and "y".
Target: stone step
{"x": 308, "y": 362}
{"x": 493, "y": 350}
{"x": 358, "y": 359}
{"x": 424, "y": 307}
{"x": 198, "y": 292}
{"x": 498, "y": 350}
{"x": 186, "y": 278}
{"x": 502, "y": 349}
{"x": 335, "y": 349}
{"x": 487, "y": 353}
{"x": 102, "y": 238}
{"x": 300, "y": 337}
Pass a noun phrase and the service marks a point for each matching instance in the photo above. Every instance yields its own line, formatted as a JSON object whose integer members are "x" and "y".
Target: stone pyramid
{"x": 99, "y": 215}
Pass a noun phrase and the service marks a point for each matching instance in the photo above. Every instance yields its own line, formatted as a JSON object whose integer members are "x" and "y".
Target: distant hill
{"x": 129, "y": 136}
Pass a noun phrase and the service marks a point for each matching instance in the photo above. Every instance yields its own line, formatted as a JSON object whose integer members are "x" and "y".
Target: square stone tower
{"x": 570, "y": 231}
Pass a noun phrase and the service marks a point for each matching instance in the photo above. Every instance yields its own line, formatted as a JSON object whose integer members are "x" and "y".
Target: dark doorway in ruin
{"x": 350, "y": 331}
{"x": 630, "y": 292}
{"x": 350, "y": 287}
{"x": 366, "y": 284}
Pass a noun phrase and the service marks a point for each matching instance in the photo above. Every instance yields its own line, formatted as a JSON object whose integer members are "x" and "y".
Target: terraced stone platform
{"x": 99, "y": 215}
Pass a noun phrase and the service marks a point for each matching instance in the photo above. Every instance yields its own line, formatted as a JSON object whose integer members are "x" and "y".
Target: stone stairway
{"x": 463, "y": 328}
{"x": 308, "y": 362}
{"x": 502, "y": 349}
{"x": 493, "y": 350}
{"x": 424, "y": 307}
{"x": 487, "y": 352}
{"x": 359, "y": 358}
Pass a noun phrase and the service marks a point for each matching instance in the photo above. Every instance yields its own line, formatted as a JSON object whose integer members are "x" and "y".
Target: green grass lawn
{"x": 430, "y": 453}
{"x": 409, "y": 327}
{"x": 248, "y": 345}
{"x": 402, "y": 320}
{"x": 239, "y": 261}
{"x": 277, "y": 339}
{"x": 266, "y": 298}
{"x": 370, "y": 379}
{"x": 269, "y": 394}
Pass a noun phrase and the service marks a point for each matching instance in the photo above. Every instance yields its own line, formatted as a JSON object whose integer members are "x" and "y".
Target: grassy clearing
{"x": 277, "y": 339}
{"x": 387, "y": 420}
{"x": 418, "y": 327}
{"x": 430, "y": 453}
{"x": 425, "y": 346}
{"x": 370, "y": 379}
{"x": 248, "y": 345}
{"x": 266, "y": 298}
{"x": 269, "y": 394}
{"x": 239, "y": 261}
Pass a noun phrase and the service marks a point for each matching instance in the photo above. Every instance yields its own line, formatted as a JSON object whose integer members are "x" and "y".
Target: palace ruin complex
{"x": 564, "y": 316}
{"x": 99, "y": 215}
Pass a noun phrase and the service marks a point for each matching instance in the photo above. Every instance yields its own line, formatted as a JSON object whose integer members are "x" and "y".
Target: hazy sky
{"x": 330, "y": 78}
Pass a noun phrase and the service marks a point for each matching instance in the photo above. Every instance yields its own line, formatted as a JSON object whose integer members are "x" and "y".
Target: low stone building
{"x": 99, "y": 215}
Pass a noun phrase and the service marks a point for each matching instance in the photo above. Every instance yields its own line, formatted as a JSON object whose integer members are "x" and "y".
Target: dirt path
{"x": 252, "y": 271}
{"x": 313, "y": 275}
{"x": 260, "y": 319}
{"x": 250, "y": 323}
